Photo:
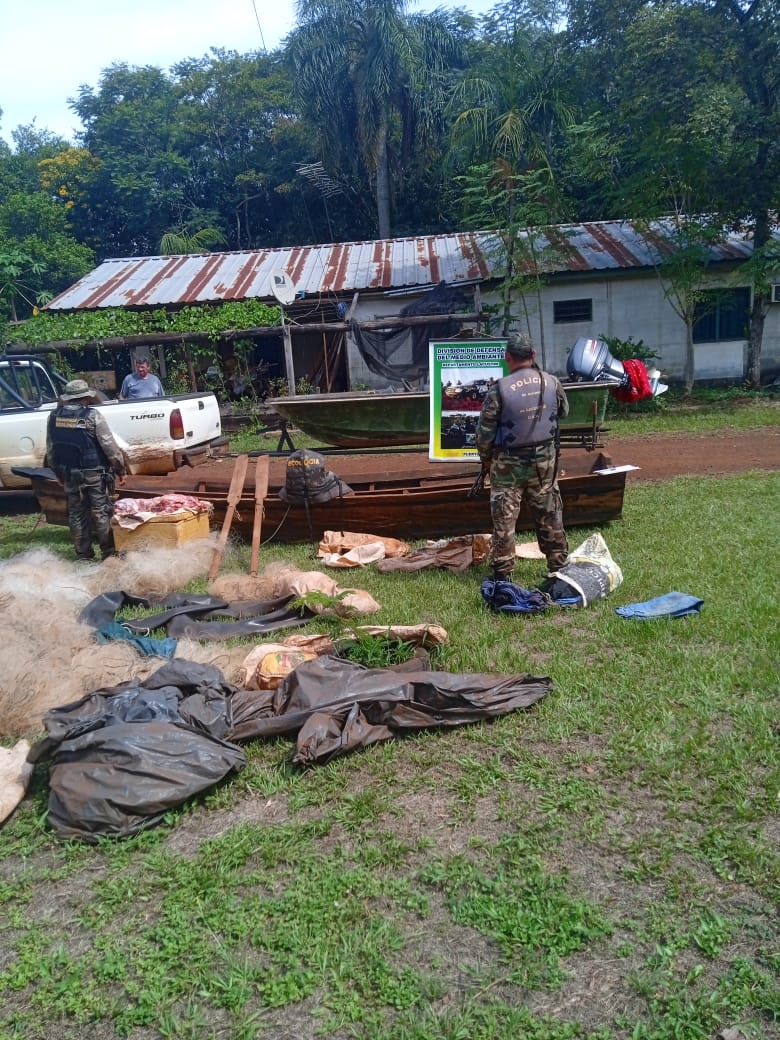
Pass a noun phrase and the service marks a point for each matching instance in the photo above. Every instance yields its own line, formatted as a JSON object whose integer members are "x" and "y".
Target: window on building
{"x": 565, "y": 311}
{"x": 722, "y": 314}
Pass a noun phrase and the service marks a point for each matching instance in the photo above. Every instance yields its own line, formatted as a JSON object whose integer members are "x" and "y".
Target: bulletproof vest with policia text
{"x": 529, "y": 410}
{"x": 307, "y": 480}
{"x": 74, "y": 441}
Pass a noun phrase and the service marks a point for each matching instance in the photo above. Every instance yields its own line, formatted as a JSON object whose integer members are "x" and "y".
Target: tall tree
{"x": 242, "y": 133}
{"x": 144, "y": 185}
{"x": 511, "y": 115}
{"x": 688, "y": 104}
{"x": 753, "y": 31}
{"x": 683, "y": 249}
{"x": 371, "y": 77}
{"x": 39, "y": 252}
{"x": 513, "y": 103}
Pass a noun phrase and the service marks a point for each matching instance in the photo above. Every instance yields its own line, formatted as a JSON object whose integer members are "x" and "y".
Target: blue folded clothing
{"x": 509, "y": 598}
{"x": 145, "y": 645}
{"x": 673, "y": 604}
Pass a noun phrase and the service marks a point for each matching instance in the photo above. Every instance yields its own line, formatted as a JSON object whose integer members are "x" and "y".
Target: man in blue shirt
{"x": 141, "y": 383}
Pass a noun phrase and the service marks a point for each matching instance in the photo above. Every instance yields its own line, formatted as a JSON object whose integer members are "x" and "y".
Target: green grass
{"x": 705, "y": 411}
{"x": 601, "y": 867}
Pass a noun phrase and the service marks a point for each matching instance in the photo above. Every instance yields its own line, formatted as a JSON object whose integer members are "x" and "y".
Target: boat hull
{"x": 358, "y": 419}
{"x": 417, "y": 506}
{"x": 364, "y": 419}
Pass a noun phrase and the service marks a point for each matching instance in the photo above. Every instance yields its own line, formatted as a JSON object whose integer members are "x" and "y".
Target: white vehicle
{"x": 157, "y": 435}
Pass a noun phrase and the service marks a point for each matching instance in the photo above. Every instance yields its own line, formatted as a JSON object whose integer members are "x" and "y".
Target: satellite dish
{"x": 282, "y": 287}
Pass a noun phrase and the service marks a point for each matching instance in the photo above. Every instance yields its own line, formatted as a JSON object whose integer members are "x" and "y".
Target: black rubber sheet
{"x": 122, "y": 757}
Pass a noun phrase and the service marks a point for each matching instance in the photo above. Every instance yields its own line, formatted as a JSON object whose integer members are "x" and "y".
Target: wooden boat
{"x": 371, "y": 419}
{"x": 415, "y": 502}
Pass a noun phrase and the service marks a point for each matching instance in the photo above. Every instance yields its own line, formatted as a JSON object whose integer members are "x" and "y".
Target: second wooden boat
{"x": 420, "y": 505}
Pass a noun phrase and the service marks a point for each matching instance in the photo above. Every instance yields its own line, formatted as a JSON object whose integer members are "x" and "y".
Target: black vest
{"x": 74, "y": 441}
{"x": 529, "y": 410}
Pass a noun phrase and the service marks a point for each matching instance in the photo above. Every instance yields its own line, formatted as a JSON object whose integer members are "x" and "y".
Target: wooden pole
{"x": 261, "y": 490}
{"x": 234, "y": 496}
{"x": 325, "y": 360}
{"x": 288, "y": 358}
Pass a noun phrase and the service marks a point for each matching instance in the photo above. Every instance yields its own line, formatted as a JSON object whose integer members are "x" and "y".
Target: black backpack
{"x": 307, "y": 480}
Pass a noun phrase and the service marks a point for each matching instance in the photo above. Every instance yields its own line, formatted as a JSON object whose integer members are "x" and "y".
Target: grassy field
{"x": 603, "y": 866}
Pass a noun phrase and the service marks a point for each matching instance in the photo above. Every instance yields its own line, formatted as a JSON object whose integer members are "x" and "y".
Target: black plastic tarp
{"x": 333, "y": 706}
{"x": 121, "y": 757}
{"x": 402, "y": 354}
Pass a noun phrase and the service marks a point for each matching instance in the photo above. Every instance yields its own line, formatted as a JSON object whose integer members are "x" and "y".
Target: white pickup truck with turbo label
{"x": 157, "y": 435}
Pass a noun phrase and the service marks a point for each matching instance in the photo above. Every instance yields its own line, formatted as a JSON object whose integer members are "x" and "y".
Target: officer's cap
{"x": 75, "y": 389}
{"x": 520, "y": 345}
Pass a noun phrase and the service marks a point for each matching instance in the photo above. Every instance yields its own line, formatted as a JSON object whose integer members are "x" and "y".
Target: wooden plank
{"x": 234, "y": 497}
{"x": 262, "y": 468}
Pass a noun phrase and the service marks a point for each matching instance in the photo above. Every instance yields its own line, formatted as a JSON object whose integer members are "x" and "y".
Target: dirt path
{"x": 731, "y": 451}
{"x": 658, "y": 456}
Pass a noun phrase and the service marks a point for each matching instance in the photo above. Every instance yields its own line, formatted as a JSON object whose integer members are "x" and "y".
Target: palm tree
{"x": 512, "y": 106}
{"x": 510, "y": 114}
{"x": 180, "y": 240}
{"x": 371, "y": 78}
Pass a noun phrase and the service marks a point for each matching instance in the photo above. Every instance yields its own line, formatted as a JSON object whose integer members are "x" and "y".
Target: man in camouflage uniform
{"x": 81, "y": 450}
{"x": 517, "y": 439}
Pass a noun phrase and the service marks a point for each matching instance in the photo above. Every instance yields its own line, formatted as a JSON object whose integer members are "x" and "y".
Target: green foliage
{"x": 320, "y": 601}
{"x": 279, "y": 387}
{"x": 520, "y": 209}
{"x": 512, "y": 105}
{"x": 210, "y": 320}
{"x": 374, "y": 651}
{"x": 38, "y": 254}
{"x": 626, "y": 349}
{"x": 183, "y": 240}
{"x": 17, "y": 269}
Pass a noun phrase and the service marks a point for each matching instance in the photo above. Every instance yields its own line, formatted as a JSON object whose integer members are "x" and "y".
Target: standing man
{"x": 517, "y": 439}
{"x": 141, "y": 383}
{"x": 81, "y": 450}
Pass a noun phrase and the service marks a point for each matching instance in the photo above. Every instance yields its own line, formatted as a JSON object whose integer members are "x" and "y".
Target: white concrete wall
{"x": 623, "y": 306}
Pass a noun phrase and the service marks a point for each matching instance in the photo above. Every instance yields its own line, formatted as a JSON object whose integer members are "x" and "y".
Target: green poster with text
{"x": 461, "y": 372}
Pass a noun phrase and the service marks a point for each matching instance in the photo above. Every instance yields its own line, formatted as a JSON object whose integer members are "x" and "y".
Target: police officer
{"x": 81, "y": 450}
{"x": 517, "y": 439}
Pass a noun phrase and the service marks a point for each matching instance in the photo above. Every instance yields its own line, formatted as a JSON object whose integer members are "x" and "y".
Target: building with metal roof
{"x": 599, "y": 279}
{"x": 345, "y": 268}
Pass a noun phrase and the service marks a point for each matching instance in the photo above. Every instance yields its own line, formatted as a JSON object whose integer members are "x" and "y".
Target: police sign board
{"x": 461, "y": 373}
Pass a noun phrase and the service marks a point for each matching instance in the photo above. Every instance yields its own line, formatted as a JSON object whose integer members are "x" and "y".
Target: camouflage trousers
{"x": 90, "y": 508}
{"x": 530, "y": 478}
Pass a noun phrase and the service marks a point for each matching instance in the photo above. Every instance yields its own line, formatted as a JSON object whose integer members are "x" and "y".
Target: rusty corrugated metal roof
{"x": 348, "y": 267}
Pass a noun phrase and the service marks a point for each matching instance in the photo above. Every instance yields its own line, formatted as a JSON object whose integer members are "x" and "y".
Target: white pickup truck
{"x": 157, "y": 435}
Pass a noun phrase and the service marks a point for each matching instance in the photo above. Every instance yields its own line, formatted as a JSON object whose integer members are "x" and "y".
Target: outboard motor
{"x": 590, "y": 360}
